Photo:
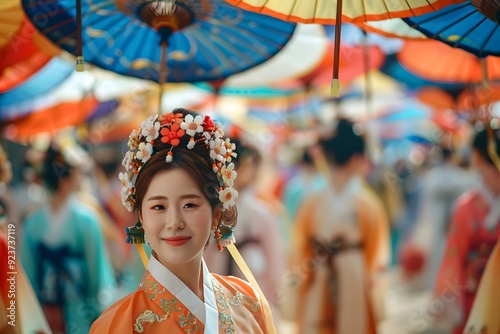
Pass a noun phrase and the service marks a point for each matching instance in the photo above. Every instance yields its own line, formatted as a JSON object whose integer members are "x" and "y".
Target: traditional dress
{"x": 442, "y": 186}
{"x": 67, "y": 263}
{"x": 164, "y": 304}
{"x": 341, "y": 239}
{"x": 474, "y": 232}
{"x": 484, "y": 318}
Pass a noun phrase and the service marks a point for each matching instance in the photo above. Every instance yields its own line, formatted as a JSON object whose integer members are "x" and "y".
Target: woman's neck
{"x": 340, "y": 177}
{"x": 57, "y": 201}
{"x": 190, "y": 274}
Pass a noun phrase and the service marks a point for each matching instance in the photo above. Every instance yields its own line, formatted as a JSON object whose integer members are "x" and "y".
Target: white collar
{"x": 207, "y": 311}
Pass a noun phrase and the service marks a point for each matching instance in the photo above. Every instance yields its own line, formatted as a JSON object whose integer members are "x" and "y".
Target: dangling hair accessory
{"x": 224, "y": 236}
{"x": 135, "y": 234}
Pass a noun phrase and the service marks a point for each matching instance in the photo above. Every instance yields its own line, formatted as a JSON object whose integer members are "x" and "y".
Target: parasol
{"x": 437, "y": 61}
{"x": 333, "y": 12}
{"x": 189, "y": 42}
{"x": 463, "y": 26}
{"x": 23, "y": 51}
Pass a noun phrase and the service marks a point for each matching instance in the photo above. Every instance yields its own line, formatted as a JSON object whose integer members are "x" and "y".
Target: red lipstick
{"x": 176, "y": 241}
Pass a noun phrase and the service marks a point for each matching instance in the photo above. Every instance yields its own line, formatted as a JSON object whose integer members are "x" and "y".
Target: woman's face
{"x": 177, "y": 218}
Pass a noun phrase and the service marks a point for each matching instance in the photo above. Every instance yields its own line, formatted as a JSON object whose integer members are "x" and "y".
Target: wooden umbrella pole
{"x": 163, "y": 73}
{"x": 335, "y": 87}
{"x": 79, "y": 42}
{"x": 368, "y": 81}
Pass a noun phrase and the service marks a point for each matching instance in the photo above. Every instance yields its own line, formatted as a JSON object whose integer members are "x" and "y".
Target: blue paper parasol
{"x": 205, "y": 39}
{"x": 463, "y": 26}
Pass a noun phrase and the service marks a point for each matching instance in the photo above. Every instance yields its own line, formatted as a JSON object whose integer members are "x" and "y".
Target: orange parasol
{"x": 435, "y": 97}
{"x": 50, "y": 119}
{"x": 23, "y": 56}
{"x": 436, "y": 61}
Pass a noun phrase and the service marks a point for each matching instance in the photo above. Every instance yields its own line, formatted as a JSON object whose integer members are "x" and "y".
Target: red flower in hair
{"x": 172, "y": 136}
{"x": 171, "y": 118}
{"x": 208, "y": 124}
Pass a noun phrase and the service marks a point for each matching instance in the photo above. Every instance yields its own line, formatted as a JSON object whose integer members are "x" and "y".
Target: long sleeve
{"x": 374, "y": 232}
{"x": 100, "y": 280}
{"x": 451, "y": 281}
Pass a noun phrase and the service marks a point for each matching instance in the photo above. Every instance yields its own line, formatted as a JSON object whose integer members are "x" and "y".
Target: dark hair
{"x": 55, "y": 168}
{"x": 446, "y": 153}
{"x": 196, "y": 162}
{"x": 480, "y": 144}
{"x": 245, "y": 151}
{"x": 344, "y": 144}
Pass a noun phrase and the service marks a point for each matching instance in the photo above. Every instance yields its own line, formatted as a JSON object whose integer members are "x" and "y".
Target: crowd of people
{"x": 313, "y": 240}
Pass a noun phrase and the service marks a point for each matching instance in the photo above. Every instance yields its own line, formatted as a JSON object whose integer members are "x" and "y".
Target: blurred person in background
{"x": 306, "y": 180}
{"x": 340, "y": 243}
{"x": 20, "y": 311}
{"x": 63, "y": 251}
{"x": 473, "y": 233}
{"x": 258, "y": 237}
{"x": 442, "y": 186}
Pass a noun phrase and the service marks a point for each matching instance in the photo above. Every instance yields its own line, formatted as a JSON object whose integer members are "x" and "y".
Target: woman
{"x": 341, "y": 242}
{"x": 179, "y": 181}
{"x": 63, "y": 249}
{"x": 474, "y": 231}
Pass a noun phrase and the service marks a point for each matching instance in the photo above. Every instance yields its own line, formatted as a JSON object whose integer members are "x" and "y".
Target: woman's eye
{"x": 158, "y": 207}
{"x": 189, "y": 205}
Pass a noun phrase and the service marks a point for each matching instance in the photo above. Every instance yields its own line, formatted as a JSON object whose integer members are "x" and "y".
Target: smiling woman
{"x": 179, "y": 181}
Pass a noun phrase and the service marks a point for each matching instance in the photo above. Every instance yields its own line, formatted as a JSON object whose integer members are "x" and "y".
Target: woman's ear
{"x": 138, "y": 214}
{"x": 216, "y": 219}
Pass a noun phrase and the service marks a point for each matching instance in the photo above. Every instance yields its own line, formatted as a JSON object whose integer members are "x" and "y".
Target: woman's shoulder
{"x": 237, "y": 287}
{"x": 119, "y": 317}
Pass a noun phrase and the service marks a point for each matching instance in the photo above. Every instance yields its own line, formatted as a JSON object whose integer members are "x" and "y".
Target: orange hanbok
{"x": 163, "y": 304}
{"x": 341, "y": 239}
{"x": 484, "y": 317}
{"x": 469, "y": 245}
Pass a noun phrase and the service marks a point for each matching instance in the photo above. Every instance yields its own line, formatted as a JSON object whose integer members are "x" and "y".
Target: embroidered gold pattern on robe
{"x": 249, "y": 302}
{"x": 225, "y": 318}
{"x": 147, "y": 317}
{"x": 151, "y": 287}
{"x": 189, "y": 323}
{"x": 169, "y": 306}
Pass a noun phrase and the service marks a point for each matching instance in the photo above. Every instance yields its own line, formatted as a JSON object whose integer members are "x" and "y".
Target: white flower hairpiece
{"x": 170, "y": 129}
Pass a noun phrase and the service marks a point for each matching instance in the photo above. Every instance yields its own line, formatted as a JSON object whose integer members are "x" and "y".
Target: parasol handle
{"x": 163, "y": 72}
{"x": 335, "y": 87}
{"x": 368, "y": 81}
{"x": 80, "y": 62}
